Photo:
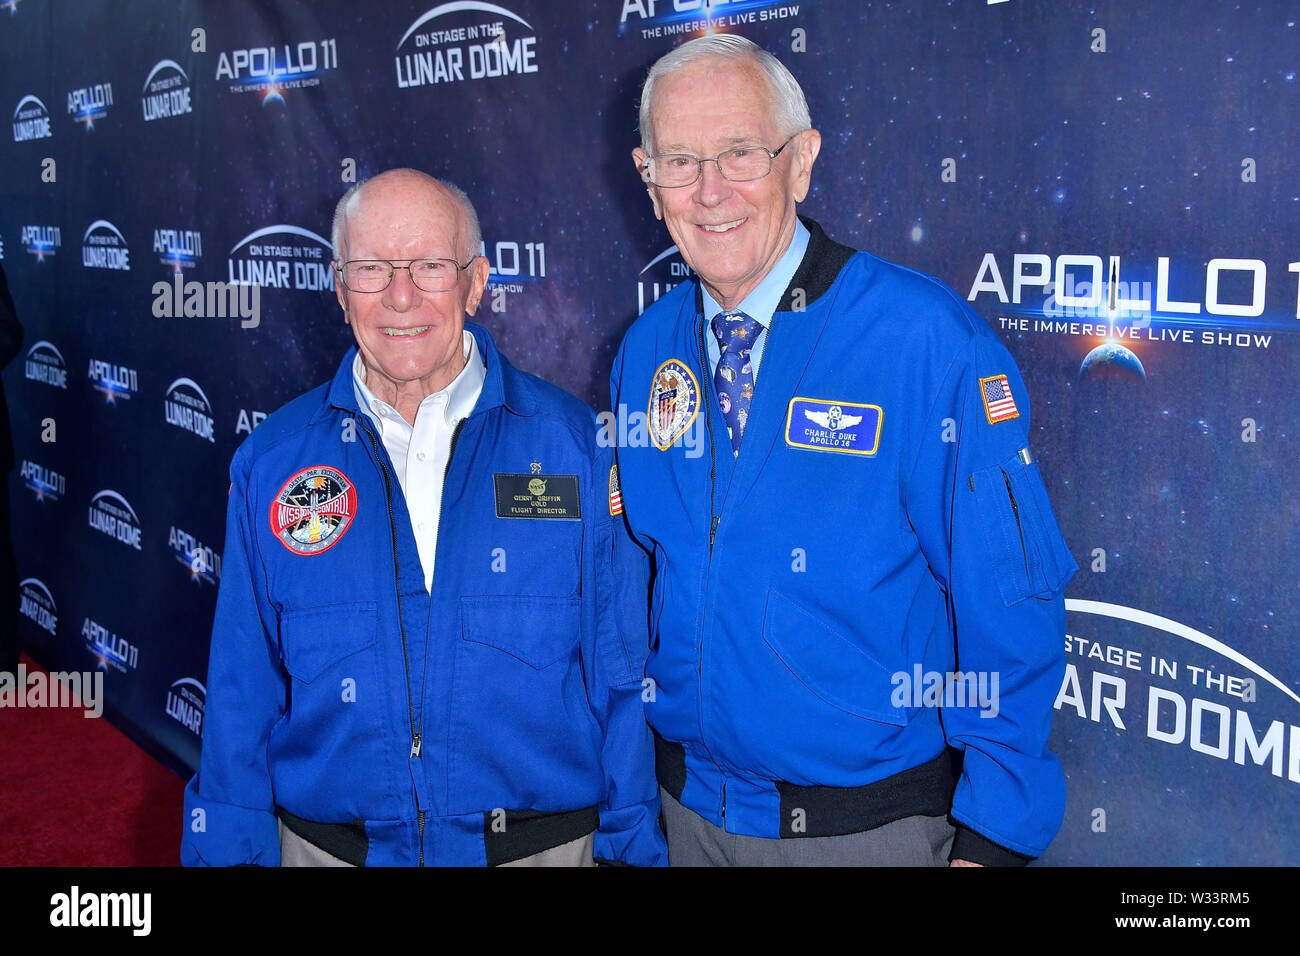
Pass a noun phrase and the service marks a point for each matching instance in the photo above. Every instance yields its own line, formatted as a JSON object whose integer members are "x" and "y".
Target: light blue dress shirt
{"x": 760, "y": 304}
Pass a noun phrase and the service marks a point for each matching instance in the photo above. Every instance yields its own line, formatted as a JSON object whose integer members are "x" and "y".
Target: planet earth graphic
{"x": 1112, "y": 361}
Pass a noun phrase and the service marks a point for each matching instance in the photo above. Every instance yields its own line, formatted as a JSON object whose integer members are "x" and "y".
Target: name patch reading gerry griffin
{"x": 537, "y": 496}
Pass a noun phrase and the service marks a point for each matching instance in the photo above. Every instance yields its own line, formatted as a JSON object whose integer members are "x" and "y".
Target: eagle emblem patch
{"x": 674, "y": 401}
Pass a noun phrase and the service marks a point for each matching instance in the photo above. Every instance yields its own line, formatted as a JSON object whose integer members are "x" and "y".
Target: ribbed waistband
{"x": 508, "y": 835}
{"x": 924, "y": 790}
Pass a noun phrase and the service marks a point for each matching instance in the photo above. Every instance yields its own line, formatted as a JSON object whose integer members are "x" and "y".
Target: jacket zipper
{"x": 708, "y": 422}
{"x": 442, "y": 495}
{"x": 451, "y": 450}
{"x": 707, "y": 410}
{"x": 406, "y": 660}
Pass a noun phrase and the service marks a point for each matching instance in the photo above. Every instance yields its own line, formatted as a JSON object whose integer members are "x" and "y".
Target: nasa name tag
{"x": 822, "y": 425}
{"x": 537, "y": 496}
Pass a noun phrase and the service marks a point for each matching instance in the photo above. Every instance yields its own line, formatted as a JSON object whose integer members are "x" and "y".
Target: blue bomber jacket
{"x": 860, "y": 618}
{"x": 495, "y": 717}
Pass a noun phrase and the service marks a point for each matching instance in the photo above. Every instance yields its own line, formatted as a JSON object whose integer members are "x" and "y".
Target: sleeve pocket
{"x": 536, "y": 629}
{"x": 314, "y": 640}
{"x": 1026, "y": 552}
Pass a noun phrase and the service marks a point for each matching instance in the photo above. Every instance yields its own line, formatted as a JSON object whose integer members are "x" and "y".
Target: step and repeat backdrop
{"x": 1112, "y": 185}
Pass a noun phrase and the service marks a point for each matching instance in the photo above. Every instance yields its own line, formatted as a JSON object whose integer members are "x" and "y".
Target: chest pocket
{"x": 1025, "y": 547}
{"x": 536, "y": 630}
{"x": 312, "y": 641}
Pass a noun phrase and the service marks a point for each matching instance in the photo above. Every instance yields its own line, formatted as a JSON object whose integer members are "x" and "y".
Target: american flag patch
{"x": 999, "y": 406}
{"x": 615, "y": 492}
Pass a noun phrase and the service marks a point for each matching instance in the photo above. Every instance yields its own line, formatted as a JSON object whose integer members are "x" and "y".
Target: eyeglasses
{"x": 740, "y": 164}
{"x": 374, "y": 275}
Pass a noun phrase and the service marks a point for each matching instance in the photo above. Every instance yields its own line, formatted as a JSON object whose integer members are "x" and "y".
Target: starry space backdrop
{"x": 974, "y": 141}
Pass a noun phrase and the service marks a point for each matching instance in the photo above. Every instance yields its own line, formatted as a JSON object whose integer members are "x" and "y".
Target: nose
{"x": 712, "y": 187}
{"x": 401, "y": 294}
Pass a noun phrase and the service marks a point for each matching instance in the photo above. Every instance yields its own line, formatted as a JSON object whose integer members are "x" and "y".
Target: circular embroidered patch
{"x": 674, "y": 399}
{"x": 313, "y": 509}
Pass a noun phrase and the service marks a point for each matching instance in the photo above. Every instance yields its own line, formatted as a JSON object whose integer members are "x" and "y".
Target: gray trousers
{"x": 577, "y": 852}
{"x": 911, "y": 841}
{"x": 295, "y": 851}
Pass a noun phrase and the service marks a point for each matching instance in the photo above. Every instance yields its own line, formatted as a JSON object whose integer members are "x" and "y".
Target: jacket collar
{"x": 502, "y": 382}
{"x": 821, "y": 264}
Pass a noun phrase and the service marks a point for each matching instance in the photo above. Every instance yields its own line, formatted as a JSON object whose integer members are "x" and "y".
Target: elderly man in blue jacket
{"x": 420, "y": 654}
{"x": 857, "y": 604}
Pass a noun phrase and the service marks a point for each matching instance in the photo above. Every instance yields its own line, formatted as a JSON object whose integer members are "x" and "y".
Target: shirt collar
{"x": 460, "y": 395}
{"x": 766, "y": 296}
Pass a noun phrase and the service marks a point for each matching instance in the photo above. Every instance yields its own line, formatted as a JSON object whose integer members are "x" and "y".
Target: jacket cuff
{"x": 631, "y": 836}
{"x": 222, "y": 834}
{"x": 968, "y": 844}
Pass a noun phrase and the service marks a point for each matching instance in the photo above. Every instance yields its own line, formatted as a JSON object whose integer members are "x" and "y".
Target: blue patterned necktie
{"x": 733, "y": 378}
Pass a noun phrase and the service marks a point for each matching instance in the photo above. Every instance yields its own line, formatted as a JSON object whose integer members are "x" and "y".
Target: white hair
{"x": 788, "y": 102}
{"x": 340, "y": 218}
{"x": 472, "y": 234}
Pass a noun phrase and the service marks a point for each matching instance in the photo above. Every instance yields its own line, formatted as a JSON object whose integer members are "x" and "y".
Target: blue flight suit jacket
{"x": 499, "y": 715}
{"x": 873, "y": 588}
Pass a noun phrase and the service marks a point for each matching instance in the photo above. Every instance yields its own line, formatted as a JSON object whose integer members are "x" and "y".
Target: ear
{"x": 340, "y": 292}
{"x": 478, "y": 278}
{"x": 807, "y": 146}
{"x": 639, "y": 157}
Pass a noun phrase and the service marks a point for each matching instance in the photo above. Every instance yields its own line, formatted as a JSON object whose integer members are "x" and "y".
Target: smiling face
{"x": 731, "y": 234}
{"x": 410, "y": 340}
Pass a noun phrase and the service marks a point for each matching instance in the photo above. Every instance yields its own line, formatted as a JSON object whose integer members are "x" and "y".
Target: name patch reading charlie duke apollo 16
{"x": 537, "y": 496}
{"x": 821, "y": 425}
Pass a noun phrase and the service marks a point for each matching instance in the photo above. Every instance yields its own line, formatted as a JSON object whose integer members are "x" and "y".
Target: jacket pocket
{"x": 830, "y": 665}
{"x": 536, "y": 629}
{"x": 1026, "y": 552}
{"x": 314, "y": 640}
{"x": 522, "y": 733}
{"x": 331, "y": 754}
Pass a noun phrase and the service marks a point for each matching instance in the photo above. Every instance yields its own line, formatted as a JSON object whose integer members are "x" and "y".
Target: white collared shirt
{"x": 420, "y": 453}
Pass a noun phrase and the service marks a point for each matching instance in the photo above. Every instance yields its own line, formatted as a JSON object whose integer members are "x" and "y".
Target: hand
{"x": 963, "y": 863}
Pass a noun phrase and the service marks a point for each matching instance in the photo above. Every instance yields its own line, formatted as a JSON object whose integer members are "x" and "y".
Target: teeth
{"x": 423, "y": 328}
{"x": 721, "y": 228}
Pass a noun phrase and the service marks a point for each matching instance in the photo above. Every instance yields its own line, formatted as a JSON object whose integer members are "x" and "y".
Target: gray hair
{"x": 472, "y": 234}
{"x": 788, "y": 101}
{"x": 340, "y": 218}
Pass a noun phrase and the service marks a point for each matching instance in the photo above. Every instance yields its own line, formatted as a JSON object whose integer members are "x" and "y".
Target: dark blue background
{"x": 1133, "y": 152}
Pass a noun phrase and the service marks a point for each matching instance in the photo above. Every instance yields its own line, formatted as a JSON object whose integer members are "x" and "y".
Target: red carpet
{"x": 77, "y": 792}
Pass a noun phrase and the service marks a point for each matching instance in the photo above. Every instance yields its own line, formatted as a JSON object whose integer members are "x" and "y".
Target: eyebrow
{"x": 431, "y": 255}
{"x": 727, "y": 143}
